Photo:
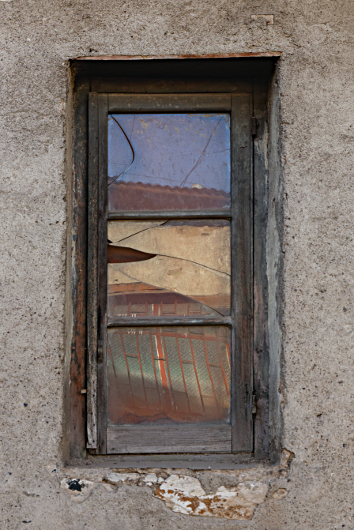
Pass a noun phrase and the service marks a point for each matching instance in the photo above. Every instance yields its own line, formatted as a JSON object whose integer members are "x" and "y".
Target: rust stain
{"x": 182, "y": 56}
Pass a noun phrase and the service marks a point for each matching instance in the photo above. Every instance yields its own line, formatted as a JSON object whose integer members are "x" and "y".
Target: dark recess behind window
{"x": 240, "y": 68}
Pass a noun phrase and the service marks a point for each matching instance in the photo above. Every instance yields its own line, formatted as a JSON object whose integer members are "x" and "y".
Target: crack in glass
{"x": 151, "y": 168}
{"x": 175, "y": 268}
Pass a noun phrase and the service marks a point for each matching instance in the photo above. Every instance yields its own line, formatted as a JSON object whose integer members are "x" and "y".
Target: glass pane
{"x": 168, "y": 162}
{"x": 168, "y": 268}
{"x": 168, "y": 374}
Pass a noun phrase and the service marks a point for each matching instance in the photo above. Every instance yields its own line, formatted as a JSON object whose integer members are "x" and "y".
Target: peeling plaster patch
{"x": 115, "y": 478}
{"x": 186, "y": 495}
{"x": 269, "y": 19}
{"x": 280, "y": 494}
{"x": 229, "y": 494}
{"x": 189, "y": 485}
{"x": 150, "y": 479}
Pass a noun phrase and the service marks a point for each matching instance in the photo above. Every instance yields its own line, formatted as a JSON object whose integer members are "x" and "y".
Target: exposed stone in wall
{"x": 280, "y": 494}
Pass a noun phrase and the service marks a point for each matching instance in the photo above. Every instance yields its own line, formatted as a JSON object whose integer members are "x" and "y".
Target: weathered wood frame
{"x": 236, "y": 437}
{"x": 256, "y": 89}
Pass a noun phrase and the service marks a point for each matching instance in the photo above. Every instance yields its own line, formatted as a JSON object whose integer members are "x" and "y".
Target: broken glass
{"x": 168, "y": 162}
{"x": 168, "y": 374}
{"x": 168, "y": 268}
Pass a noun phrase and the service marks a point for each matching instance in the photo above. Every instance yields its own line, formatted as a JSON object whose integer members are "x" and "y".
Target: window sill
{"x": 161, "y": 461}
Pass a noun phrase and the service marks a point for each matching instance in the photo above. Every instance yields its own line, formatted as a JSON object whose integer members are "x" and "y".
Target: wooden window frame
{"x": 94, "y": 97}
{"x": 236, "y": 436}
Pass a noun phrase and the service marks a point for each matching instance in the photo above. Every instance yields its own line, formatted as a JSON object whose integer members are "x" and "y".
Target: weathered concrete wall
{"x": 315, "y": 86}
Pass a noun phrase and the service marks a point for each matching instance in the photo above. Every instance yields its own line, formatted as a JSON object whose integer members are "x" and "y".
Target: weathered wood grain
{"x": 261, "y": 346}
{"x": 102, "y": 274}
{"x": 242, "y": 273}
{"x": 92, "y": 273}
{"x": 192, "y": 438}
{"x": 169, "y": 102}
{"x": 76, "y": 288}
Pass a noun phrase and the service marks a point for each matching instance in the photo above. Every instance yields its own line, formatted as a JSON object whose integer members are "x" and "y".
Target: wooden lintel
{"x": 182, "y": 56}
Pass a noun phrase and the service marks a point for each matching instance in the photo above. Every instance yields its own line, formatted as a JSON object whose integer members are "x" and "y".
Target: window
{"x": 170, "y": 292}
{"x": 168, "y": 263}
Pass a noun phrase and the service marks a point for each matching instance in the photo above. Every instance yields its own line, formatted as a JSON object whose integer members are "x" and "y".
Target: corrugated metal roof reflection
{"x": 168, "y": 374}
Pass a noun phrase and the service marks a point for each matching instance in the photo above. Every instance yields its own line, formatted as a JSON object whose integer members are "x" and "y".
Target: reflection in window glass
{"x": 168, "y": 374}
{"x": 168, "y": 268}
{"x": 168, "y": 161}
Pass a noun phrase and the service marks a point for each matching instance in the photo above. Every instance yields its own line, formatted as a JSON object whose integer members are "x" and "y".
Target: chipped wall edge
{"x": 231, "y": 495}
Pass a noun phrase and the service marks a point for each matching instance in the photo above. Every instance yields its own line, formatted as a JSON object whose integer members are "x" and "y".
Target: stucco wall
{"x": 315, "y": 84}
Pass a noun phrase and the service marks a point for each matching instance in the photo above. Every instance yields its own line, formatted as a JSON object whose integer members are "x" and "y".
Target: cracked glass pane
{"x": 168, "y": 162}
{"x": 168, "y": 374}
{"x": 168, "y": 268}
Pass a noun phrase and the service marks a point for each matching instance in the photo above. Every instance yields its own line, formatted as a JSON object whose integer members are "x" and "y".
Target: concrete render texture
{"x": 314, "y": 80}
